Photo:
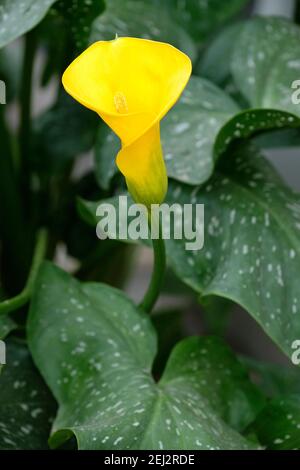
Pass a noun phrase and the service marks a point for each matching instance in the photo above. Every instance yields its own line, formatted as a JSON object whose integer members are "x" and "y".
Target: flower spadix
{"x": 132, "y": 83}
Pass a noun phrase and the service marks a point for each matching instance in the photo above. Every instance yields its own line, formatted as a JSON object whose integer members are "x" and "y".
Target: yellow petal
{"x": 132, "y": 83}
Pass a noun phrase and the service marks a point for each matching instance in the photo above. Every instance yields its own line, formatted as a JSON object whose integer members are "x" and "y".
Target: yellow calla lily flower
{"x": 132, "y": 83}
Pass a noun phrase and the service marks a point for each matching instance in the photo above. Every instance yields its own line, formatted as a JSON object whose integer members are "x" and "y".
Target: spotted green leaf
{"x": 79, "y": 16}
{"x": 278, "y": 425}
{"x": 190, "y": 129}
{"x": 264, "y": 70}
{"x": 251, "y": 122}
{"x": 251, "y": 251}
{"x": 202, "y": 126}
{"x": 17, "y": 17}
{"x": 266, "y": 61}
{"x": 143, "y": 19}
{"x": 26, "y": 405}
{"x": 164, "y": 21}
{"x": 102, "y": 350}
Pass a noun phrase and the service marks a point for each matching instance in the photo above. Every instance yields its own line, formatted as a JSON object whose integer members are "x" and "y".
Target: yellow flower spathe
{"x": 132, "y": 83}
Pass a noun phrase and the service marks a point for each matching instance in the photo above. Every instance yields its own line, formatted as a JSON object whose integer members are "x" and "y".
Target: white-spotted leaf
{"x": 278, "y": 425}
{"x": 108, "y": 398}
{"x": 26, "y": 405}
{"x": 190, "y": 129}
{"x": 143, "y": 19}
{"x": 78, "y": 16}
{"x": 266, "y": 62}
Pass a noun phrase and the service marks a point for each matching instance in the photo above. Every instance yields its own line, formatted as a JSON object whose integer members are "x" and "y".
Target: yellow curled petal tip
{"x": 132, "y": 83}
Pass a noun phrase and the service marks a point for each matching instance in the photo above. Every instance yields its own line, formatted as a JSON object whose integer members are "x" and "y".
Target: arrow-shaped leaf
{"x": 102, "y": 350}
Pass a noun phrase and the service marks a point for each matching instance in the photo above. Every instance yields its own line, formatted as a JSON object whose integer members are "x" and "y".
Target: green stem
{"x": 39, "y": 253}
{"x": 158, "y": 273}
{"x": 25, "y": 99}
{"x": 14, "y": 253}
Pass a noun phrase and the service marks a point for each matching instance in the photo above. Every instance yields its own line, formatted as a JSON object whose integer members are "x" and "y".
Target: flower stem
{"x": 21, "y": 299}
{"x": 157, "y": 278}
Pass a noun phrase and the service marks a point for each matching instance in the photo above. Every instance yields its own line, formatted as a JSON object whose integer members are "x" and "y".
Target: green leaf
{"x": 273, "y": 379}
{"x": 264, "y": 69}
{"x": 190, "y": 129}
{"x": 144, "y": 19}
{"x": 79, "y": 16}
{"x": 216, "y": 314}
{"x": 6, "y": 326}
{"x": 236, "y": 399}
{"x": 196, "y": 18}
{"x": 203, "y": 124}
{"x": 251, "y": 252}
{"x": 251, "y": 122}
{"x": 208, "y": 127}
{"x": 102, "y": 350}
{"x": 279, "y": 139}
{"x": 10, "y": 70}
{"x": 63, "y": 133}
{"x": 16, "y": 18}
{"x": 266, "y": 61}
{"x": 202, "y": 18}
{"x": 26, "y": 406}
{"x": 169, "y": 326}
{"x": 215, "y": 63}
{"x": 278, "y": 425}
